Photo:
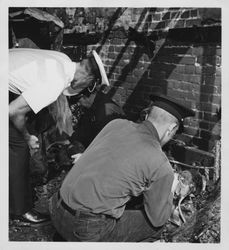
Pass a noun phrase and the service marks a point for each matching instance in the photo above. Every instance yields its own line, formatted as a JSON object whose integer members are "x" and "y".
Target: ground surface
{"x": 201, "y": 212}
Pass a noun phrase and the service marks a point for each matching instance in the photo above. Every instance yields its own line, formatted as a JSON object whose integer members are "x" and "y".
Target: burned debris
{"x": 176, "y": 50}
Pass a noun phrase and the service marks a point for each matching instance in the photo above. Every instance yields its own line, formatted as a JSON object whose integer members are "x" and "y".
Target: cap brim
{"x": 104, "y": 79}
{"x": 172, "y": 106}
{"x": 69, "y": 91}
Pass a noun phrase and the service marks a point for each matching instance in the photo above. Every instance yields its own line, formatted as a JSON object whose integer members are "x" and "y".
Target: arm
{"x": 158, "y": 200}
{"x": 17, "y": 114}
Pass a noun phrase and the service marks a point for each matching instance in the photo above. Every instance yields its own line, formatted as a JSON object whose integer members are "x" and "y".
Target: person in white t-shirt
{"x": 36, "y": 79}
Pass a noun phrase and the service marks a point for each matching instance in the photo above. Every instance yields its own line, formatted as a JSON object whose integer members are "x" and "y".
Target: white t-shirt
{"x": 39, "y": 76}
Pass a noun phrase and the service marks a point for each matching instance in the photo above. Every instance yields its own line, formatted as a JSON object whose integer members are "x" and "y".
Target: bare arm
{"x": 17, "y": 114}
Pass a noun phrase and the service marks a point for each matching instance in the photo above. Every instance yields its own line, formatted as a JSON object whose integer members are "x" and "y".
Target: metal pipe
{"x": 189, "y": 166}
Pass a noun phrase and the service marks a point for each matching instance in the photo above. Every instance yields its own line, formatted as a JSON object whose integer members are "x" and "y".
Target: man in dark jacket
{"x": 98, "y": 109}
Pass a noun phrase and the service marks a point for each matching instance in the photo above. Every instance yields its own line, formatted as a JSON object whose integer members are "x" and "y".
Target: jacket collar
{"x": 150, "y": 127}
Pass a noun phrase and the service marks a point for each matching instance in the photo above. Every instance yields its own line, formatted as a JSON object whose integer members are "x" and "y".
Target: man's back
{"x": 39, "y": 75}
{"x": 121, "y": 162}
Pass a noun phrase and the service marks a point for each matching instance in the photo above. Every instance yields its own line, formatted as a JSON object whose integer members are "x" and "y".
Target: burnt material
{"x": 81, "y": 39}
{"x": 210, "y": 34}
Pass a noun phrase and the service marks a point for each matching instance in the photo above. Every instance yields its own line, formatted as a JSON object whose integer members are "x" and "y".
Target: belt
{"x": 65, "y": 206}
{"x": 81, "y": 213}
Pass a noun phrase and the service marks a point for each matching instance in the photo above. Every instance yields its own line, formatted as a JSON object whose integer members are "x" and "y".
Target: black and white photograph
{"x": 114, "y": 118}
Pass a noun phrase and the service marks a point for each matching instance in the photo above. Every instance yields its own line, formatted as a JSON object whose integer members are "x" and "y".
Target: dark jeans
{"x": 133, "y": 226}
{"x": 20, "y": 195}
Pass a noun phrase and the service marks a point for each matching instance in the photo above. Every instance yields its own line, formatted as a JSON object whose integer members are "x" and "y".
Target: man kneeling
{"x": 125, "y": 160}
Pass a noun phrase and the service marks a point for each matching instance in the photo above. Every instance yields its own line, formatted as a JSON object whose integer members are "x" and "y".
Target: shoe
{"x": 31, "y": 218}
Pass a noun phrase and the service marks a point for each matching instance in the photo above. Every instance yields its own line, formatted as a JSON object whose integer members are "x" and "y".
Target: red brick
{"x": 156, "y": 17}
{"x": 189, "y": 69}
{"x": 117, "y": 41}
{"x": 179, "y": 69}
{"x": 218, "y": 90}
{"x": 185, "y": 14}
{"x": 130, "y": 79}
{"x": 166, "y": 16}
{"x": 194, "y": 13}
{"x": 187, "y": 60}
{"x": 118, "y": 48}
{"x": 218, "y": 80}
{"x": 216, "y": 99}
{"x": 175, "y": 76}
{"x": 188, "y": 95}
{"x": 192, "y": 22}
{"x": 138, "y": 72}
{"x": 208, "y": 79}
{"x": 218, "y": 51}
{"x": 208, "y": 89}
{"x": 180, "y": 24}
{"x": 112, "y": 55}
{"x": 210, "y": 50}
{"x": 173, "y": 14}
{"x": 198, "y": 51}
{"x": 218, "y": 61}
{"x": 209, "y": 107}
{"x": 204, "y": 97}
{"x": 208, "y": 61}
{"x": 204, "y": 125}
{"x": 160, "y": 9}
{"x": 218, "y": 71}
{"x": 160, "y": 25}
{"x": 198, "y": 69}
{"x": 191, "y": 78}
{"x": 122, "y": 63}
{"x": 209, "y": 116}
{"x": 174, "y": 84}
{"x": 111, "y": 49}
{"x": 191, "y": 131}
{"x": 205, "y": 134}
{"x": 174, "y": 92}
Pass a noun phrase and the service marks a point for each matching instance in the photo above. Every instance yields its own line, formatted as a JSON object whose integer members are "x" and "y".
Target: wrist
{"x": 27, "y": 136}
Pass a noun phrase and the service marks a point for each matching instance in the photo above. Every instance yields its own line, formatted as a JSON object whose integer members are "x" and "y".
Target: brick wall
{"x": 188, "y": 71}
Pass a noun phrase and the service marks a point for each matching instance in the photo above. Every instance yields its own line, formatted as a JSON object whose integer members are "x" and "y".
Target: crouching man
{"x": 36, "y": 79}
{"x": 125, "y": 160}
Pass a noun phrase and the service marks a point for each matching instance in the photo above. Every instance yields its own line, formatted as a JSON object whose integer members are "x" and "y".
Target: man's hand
{"x": 33, "y": 143}
{"x": 175, "y": 183}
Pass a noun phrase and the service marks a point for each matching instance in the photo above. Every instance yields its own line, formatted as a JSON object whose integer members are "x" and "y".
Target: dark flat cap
{"x": 172, "y": 106}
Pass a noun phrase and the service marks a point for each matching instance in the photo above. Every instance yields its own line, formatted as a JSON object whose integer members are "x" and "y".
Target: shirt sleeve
{"x": 158, "y": 200}
{"x": 40, "y": 96}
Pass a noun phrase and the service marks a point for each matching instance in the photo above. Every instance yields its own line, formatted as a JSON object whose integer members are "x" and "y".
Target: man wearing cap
{"x": 36, "y": 79}
{"x": 125, "y": 160}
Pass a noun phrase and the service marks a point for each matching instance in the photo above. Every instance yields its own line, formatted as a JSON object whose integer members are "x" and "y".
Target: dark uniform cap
{"x": 172, "y": 106}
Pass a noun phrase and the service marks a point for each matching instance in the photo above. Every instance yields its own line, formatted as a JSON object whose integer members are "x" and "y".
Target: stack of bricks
{"x": 188, "y": 71}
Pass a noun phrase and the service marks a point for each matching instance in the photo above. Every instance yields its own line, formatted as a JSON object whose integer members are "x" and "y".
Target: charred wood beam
{"x": 75, "y": 39}
{"x": 209, "y": 34}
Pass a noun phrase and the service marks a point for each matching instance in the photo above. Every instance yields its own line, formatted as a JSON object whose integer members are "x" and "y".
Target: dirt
{"x": 201, "y": 212}
{"x": 45, "y": 232}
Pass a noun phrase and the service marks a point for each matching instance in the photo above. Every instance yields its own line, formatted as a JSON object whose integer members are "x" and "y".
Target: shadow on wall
{"x": 208, "y": 91}
{"x": 157, "y": 74}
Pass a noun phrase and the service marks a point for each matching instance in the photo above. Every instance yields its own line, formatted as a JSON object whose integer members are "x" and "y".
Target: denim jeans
{"x": 133, "y": 226}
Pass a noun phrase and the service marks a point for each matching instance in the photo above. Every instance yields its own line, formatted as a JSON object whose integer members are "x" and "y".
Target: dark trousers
{"x": 20, "y": 195}
{"x": 133, "y": 226}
